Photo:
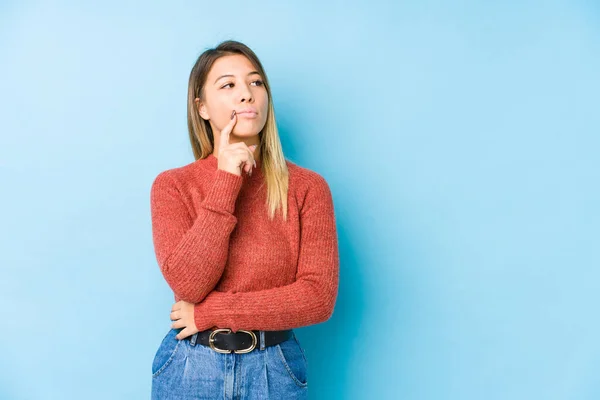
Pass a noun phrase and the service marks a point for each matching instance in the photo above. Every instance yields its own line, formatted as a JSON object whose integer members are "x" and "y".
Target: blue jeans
{"x": 182, "y": 370}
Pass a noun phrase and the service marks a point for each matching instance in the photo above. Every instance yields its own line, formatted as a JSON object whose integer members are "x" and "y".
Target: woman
{"x": 246, "y": 240}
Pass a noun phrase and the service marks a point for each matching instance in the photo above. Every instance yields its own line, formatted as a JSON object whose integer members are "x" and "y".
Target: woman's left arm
{"x": 307, "y": 301}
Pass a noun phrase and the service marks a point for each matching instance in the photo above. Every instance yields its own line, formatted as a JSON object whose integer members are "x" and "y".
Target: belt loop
{"x": 262, "y": 340}
{"x": 193, "y": 340}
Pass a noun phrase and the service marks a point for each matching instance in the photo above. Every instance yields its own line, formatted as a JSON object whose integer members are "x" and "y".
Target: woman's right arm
{"x": 192, "y": 253}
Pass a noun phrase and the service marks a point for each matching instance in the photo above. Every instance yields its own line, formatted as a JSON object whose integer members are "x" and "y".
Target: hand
{"x": 182, "y": 313}
{"x": 235, "y": 157}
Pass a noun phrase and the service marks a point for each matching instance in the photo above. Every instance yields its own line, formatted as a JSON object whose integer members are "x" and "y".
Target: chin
{"x": 244, "y": 133}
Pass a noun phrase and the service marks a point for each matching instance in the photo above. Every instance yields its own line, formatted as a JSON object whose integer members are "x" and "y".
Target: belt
{"x": 223, "y": 340}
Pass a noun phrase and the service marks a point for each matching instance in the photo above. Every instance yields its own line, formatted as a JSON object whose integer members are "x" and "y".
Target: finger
{"x": 174, "y": 315}
{"x": 251, "y": 162}
{"x": 176, "y": 306}
{"x": 224, "y": 141}
{"x": 252, "y": 149}
{"x": 247, "y": 168}
{"x": 178, "y": 324}
{"x": 246, "y": 160}
{"x": 183, "y": 334}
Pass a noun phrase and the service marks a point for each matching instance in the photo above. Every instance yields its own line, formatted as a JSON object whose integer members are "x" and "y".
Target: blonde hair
{"x": 273, "y": 162}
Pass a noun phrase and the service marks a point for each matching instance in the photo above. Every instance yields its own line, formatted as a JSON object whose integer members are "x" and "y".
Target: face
{"x": 234, "y": 84}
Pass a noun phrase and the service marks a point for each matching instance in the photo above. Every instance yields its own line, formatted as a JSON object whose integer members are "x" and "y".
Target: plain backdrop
{"x": 460, "y": 140}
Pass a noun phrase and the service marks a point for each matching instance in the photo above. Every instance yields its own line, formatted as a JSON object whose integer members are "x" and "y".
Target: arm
{"x": 307, "y": 301}
{"x": 192, "y": 253}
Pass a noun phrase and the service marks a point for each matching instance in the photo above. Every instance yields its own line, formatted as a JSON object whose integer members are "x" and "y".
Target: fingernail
{"x": 254, "y": 163}
{"x": 232, "y": 114}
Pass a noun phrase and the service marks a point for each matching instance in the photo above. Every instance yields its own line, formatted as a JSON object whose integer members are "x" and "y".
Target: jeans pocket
{"x": 165, "y": 353}
{"x": 294, "y": 360}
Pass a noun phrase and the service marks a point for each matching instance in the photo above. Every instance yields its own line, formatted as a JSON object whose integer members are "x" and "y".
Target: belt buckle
{"x": 211, "y": 341}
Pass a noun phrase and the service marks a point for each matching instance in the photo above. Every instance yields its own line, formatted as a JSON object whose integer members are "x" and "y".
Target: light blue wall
{"x": 460, "y": 140}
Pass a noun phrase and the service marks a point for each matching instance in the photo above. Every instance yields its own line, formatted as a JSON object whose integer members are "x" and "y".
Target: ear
{"x": 201, "y": 109}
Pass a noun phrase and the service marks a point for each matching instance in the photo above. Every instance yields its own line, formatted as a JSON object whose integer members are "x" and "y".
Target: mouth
{"x": 247, "y": 114}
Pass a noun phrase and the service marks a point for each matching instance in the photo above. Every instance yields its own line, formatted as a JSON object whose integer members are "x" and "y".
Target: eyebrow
{"x": 225, "y": 76}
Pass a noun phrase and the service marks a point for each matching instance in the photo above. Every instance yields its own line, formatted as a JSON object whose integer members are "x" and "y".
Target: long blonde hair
{"x": 273, "y": 162}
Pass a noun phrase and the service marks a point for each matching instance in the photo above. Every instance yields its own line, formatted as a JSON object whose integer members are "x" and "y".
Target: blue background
{"x": 460, "y": 141}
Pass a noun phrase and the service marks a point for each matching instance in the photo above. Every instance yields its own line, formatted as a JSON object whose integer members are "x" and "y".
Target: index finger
{"x": 224, "y": 141}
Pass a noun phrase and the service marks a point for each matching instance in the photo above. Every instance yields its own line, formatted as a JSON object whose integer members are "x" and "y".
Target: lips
{"x": 247, "y": 114}
{"x": 247, "y": 110}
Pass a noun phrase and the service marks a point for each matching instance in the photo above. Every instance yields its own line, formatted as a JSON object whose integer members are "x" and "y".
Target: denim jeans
{"x": 183, "y": 370}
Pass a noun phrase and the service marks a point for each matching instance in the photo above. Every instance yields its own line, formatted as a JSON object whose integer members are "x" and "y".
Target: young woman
{"x": 245, "y": 238}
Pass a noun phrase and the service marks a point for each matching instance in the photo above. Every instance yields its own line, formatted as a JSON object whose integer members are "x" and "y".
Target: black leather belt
{"x": 222, "y": 340}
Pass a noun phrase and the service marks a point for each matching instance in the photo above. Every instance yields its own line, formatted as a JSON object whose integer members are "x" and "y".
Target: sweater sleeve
{"x": 309, "y": 300}
{"x": 192, "y": 253}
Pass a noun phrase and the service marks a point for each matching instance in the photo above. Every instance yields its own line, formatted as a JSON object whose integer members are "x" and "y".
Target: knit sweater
{"x": 217, "y": 248}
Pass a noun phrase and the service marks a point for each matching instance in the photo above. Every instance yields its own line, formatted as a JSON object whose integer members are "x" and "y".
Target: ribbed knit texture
{"x": 216, "y": 247}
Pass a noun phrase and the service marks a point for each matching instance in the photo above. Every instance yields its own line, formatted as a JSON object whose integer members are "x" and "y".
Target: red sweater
{"x": 216, "y": 247}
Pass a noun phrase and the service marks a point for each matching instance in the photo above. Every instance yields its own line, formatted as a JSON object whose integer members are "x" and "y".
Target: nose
{"x": 246, "y": 94}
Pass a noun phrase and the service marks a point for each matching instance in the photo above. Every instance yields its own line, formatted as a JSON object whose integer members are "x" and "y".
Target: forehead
{"x": 231, "y": 64}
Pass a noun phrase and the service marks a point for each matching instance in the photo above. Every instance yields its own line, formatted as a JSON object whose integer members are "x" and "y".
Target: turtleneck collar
{"x": 213, "y": 163}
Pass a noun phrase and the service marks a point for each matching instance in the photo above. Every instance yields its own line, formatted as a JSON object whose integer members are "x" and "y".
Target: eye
{"x": 258, "y": 83}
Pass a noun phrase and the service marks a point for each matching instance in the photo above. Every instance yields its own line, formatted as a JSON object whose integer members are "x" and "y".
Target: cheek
{"x": 264, "y": 104}
{"x": 264, "y": 118}
{"x": 221, "y": 114}
{"x": 265, "y": 99}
